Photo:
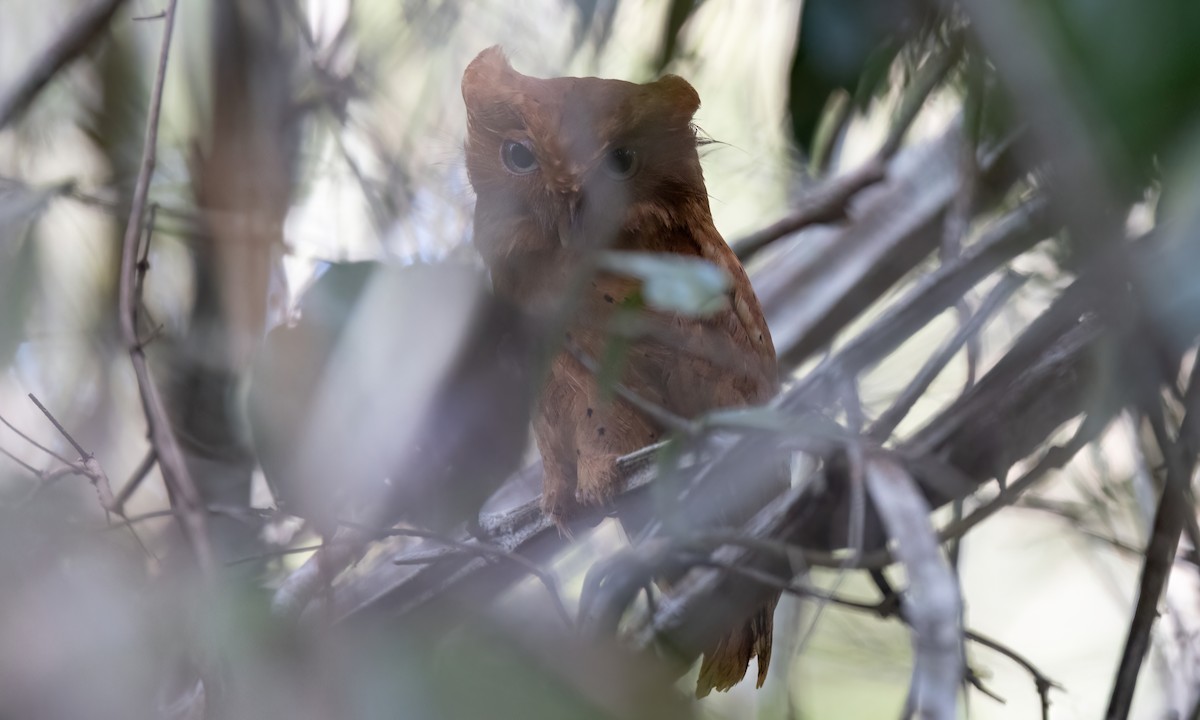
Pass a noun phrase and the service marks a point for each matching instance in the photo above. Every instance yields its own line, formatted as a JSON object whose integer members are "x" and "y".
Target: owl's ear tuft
{"x": 488, "y": 73}
{"x": 678, "y": 95}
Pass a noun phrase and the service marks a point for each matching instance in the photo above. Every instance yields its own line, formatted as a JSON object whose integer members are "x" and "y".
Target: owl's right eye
{"x": 518, "y": 157}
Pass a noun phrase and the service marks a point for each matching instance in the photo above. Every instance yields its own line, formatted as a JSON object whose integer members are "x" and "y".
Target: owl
{"x": 564, "y": 167}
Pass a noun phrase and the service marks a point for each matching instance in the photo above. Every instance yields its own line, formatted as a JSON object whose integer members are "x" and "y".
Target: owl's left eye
{"x": 518, "y": 157}
{"x": 621, "y": 163}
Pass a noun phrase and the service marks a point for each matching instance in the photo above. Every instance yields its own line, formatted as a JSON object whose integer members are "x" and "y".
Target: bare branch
{"x": 33, "y": 442}
{"x": 1040, "y": 681}
{"x": 58, "y": 426}
{"x": 824, "y": 204}
{"x": 1159, "y": 557}
{"x": 162, "y": 437}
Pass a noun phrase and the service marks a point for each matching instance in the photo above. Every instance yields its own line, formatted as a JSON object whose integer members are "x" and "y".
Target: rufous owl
{"x": 563, "y": 167}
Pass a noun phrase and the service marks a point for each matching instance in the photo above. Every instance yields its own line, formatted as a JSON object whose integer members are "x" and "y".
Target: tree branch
{"x": 162, "y": 437}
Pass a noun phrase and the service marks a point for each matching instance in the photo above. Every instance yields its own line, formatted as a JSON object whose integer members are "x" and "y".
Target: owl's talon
{"x": 564, "y": 530}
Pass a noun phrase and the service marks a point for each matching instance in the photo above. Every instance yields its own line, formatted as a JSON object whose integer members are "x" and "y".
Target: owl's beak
{"x": 568, "y": 222}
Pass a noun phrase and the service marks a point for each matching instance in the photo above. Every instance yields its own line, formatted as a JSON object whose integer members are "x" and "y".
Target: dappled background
{"x": 973, "y": 227}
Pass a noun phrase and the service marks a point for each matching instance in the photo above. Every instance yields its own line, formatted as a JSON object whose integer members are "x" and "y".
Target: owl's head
{"x": 578, "y": 160}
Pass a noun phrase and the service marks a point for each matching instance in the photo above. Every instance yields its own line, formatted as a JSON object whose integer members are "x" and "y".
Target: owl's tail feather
{"x": 725, "y": 665}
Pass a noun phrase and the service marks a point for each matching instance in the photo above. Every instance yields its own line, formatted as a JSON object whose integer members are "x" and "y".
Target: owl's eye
{"x": 621, "y": 164}
{"x": 518, "y": 157}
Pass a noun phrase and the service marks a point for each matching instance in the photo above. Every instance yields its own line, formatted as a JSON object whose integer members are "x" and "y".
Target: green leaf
{"x": 673, "y": 283}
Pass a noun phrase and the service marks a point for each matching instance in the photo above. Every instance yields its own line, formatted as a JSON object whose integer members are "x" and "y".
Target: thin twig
{"x": 1040, "y": 681}
{"x": 33, "y": 442}
{"x": 36, "y": 473}
{"x": 83, "y": 454}
{"x": 824, "y": 204}
{"x": 162, "y": 437}
{"x": 1178, "y": 475}
{"x": 885, "y": 610}
{"x": 1159, "y": 557}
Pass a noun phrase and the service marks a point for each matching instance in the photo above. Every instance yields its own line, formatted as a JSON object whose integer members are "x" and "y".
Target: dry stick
{"x": 90, "y": 468}
{"x": 1175, "y": 514}
{"x": 70, "y": 44}
{"x": 83, "y": 454}
{"x": 824, "y": 204}
{"x": 162, "y": 437}
{"x": 36, "y": 473}
{"x": 883, "y": 427}
{"x": 1179, "y": 472}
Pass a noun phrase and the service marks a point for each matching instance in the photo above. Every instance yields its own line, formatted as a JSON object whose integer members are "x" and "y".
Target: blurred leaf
{"x": 1137, "y": 64}
{"x": 293, "y": 360}
{"x": 846, "y": 44}
{"x": 390, "y": 376}
{"x": 673, "y": 283}
{"x": 677, "y": 17}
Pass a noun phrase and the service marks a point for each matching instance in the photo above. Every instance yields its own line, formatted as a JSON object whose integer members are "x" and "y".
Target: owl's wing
{"x": 724, "y": 360}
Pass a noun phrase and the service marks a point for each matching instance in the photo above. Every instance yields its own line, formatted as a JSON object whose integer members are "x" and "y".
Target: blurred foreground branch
{"x": 73, "y": 41}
